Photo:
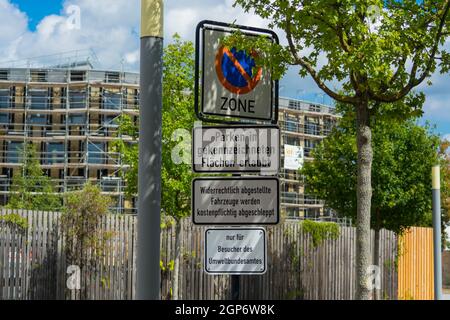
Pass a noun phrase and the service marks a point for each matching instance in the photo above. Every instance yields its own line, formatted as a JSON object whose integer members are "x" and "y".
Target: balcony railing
{"x": 293, "y": 198}
{"x": 306, "y": 106}
{"x": 308, "y": 129}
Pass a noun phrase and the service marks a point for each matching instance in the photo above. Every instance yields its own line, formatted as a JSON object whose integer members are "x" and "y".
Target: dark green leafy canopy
{"x": 178, "y": 117}
{"x": 403, "y": 155}
{"x": 177, "y": 122}
{"x": 339, "y": 42}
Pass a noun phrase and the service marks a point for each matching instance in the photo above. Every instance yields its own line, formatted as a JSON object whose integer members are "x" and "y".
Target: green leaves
{"x": 31, "y": 189}
{"x": 383, "y": 56}
{"x": 403, "y": 156}
{"x": 320, "y": 231}
{"x": 177, "y": 116}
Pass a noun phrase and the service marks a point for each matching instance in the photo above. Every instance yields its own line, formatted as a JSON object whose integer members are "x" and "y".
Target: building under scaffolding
{"x": 70, "y": 114}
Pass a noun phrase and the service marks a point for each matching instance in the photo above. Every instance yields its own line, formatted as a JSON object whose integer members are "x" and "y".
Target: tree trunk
{"x": 364, "y": 197}
{"x": 176, "y": 266}
{"x": 376, "y": 260}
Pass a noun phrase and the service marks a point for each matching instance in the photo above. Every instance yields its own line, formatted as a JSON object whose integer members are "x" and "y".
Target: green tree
{"x": 445, "y": 189}
{"x": 177, "y": 122}
{"x": 31, "y": 188}
{"x": 85, "y": 241}
{"x": 401, "y": 174}
{"x": 378, "y": 51}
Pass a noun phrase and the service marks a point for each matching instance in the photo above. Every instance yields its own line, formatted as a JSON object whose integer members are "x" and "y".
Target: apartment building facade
{"x": 303, "y": 125}
{"x": 70, "y": 115}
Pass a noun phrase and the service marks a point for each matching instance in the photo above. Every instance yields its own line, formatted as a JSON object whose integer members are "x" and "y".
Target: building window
{"x": 314, "y": 108}
{"x": 309, "y": 146}
{"x": 4, "y": 75}
{"x": 312, "y": 126}
{"x": 5, "y": 99}
{"x": 38, "y": 99}
{"x": 77, "y": 75}
{"x": 112, "y": 77}
{"x": 293, "y": 141}
{"x": 4, "y": 118}
{"x": 76, "y": 119}
{"x": 96, "y": 152}
{"x": 111, "y": 100}
{"x": 110, "y": 121}
{"x": 55, "y": 152}
{"x": 291, "y": 124}
{"x": 38, "y": 76}
{"x": 40, "y": 119}
{"x": 15, "y": 150}
{"x": 312, "y": 212}
{"x": 77, "y": 99}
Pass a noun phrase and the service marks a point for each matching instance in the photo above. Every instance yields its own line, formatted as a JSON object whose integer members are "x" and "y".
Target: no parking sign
{"x": 231, "y": 84}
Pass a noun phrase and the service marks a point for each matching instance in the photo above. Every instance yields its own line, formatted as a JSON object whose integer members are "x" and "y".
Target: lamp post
{"x": 150, "y": 119}
{"x": 436, "y": 189}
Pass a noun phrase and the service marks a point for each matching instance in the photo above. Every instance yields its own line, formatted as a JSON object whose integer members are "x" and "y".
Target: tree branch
{"x": 305, "y": 64}
{"x": 413, "y": 81}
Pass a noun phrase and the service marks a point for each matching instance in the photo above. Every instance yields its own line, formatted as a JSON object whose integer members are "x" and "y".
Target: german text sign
{"x": 236, "y": 251}
{"x": 235, "y": 200}
{"x": 236, "y": 149}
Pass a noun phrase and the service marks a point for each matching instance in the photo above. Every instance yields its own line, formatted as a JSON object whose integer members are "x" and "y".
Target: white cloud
{"x": 113, "y": 35}
{"x": 111, "y": 29}
{"x": 446, "y": 137}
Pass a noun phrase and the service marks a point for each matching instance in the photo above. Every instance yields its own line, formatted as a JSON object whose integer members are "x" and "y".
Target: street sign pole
{"x": 235, "y": 278}
{"x": 149, "y": 184}
{"x": 436, "y": 189}
{"x": 235, "y": 287}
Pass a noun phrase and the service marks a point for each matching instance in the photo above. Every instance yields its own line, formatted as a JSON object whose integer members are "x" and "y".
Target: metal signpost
{"x": 233, "y": 90}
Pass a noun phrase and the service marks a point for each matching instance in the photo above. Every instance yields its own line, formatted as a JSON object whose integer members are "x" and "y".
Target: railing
{"x": 309, "y": 129}
{"x": 346, "y": 222}
{"x": 63, "y": 157}
{"x": 306, "y": 106}
{"x": 64, "y": 75}
{"x": 52, "y": 131}
{"x": 293, "y": 198}
{"x": 109, "y": 185}
{"x": 128, "y": 102}
{"x": 291, "y": 175}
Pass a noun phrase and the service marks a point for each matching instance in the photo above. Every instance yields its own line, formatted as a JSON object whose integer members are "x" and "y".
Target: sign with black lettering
{"x": 236, "y": 149}
{"x": 235, "y": 251}
{"x": 232, "y": 85}
{"x": 235, "y": 200}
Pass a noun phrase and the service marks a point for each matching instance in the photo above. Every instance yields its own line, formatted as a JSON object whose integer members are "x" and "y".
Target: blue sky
{"x": 37, "y": 10}
{"x": 110, "y": 28}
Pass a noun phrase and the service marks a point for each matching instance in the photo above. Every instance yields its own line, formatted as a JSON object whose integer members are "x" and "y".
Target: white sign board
{"x": 235, "y": 200}
{"x": 236, "y": 149}
{"x": 236, "y": 251}
{"x": 293, "y": 157}
{"x": 231, "y": 85}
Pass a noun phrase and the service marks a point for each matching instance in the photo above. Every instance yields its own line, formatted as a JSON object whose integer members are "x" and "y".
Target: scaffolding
{"x": 70, "y": 115}
{"x": 70, "y": 111}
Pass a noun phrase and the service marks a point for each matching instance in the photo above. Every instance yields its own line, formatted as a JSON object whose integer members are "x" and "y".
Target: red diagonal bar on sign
{"x": 251, "y": 82}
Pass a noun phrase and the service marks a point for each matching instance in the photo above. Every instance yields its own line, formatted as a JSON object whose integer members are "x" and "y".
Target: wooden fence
{"x": 33, "y": 266}
{"x": 296, "y": 270}
{"x": 415, "y": 265}
{"x": 33, "y": 263}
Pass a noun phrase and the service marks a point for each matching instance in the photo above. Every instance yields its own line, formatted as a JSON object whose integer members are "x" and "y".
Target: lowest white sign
{"x": 235, "y": 251}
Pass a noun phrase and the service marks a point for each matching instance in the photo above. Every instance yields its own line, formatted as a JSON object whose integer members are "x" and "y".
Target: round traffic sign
{"x": 235, "y": 70}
